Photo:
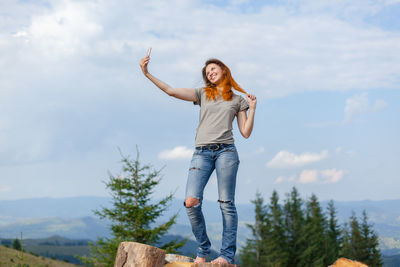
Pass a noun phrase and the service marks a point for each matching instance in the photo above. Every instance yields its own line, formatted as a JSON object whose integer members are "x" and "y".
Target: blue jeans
{"x": 225, "y": 161}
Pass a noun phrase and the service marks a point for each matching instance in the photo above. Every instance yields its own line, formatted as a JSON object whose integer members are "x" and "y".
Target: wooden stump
{"x": 209, "y": 264}
{"x": 343, "y": 262}
{"x": 190, "y": 264}
{"x": 180, "y": 264}
{"x": 132, "y": 254}
{"x": 177, "y": 258}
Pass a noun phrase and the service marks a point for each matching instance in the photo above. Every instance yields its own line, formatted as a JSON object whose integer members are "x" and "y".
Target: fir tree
{"x": 346, "y": 250}
{"x": 314, "y": 235}
{"x": 292, "y": 236}
{"x": 356, "y": 246}
{"x": 294, "y": 222}
{"x": 254, "y": 253}
{"x": 133, "y": 214}
{"x": 333, "y": 236}
{"x": 16, "y": 244}
{"x": 276, "y": 243}
{"x": 371, "y": 255}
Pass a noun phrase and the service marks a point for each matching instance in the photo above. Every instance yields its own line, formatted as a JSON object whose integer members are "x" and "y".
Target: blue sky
{"x": 326, "y": 74}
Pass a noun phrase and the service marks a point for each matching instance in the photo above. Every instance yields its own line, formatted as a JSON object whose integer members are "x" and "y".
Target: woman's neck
{"x": 220, "y": 89}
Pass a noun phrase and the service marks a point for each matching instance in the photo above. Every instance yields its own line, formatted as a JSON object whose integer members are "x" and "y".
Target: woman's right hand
{"x": 143, "y": 64}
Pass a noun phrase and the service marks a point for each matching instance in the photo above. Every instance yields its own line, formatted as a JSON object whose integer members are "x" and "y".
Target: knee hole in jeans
{"x": 225, "y": 201}
{"x": 191, "y": 202}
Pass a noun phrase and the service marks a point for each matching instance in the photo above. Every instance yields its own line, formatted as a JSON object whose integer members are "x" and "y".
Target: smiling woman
{"x": 215, "y": 150}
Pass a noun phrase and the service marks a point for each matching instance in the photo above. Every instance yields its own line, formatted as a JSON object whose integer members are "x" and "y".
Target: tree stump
{"x": 209, "y": 264}
{"x": 191, "y": 264}
{"x": 177, "y": 258}
{"x": 343, "y": 262}
{"x": 132, "y": 254}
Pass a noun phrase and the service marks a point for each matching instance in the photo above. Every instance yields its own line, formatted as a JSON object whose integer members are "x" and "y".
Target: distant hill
{"x": 73, "y": 218}
{"x": 12, "y": 257}
{"x": 55, "y": 247}
{"x": 65, "y": 249}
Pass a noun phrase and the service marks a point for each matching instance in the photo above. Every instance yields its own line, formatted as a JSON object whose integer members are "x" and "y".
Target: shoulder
{"x": 238, "y": 98}
{"x": 199, "y": 95}
{"x": 199, "y": 90}
{"x": 240, "y": 102}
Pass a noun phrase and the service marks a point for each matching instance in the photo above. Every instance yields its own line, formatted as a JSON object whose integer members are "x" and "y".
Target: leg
{"x": 226, "y": 167}
{"x": 200, "y": 171}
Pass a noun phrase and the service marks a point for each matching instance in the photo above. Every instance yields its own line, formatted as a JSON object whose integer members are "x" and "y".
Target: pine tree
{"x": 16, "y": 244}
{"x": 369, "y": 244}
{"x": 356, "y": 246}
{"x": 289, "y": 235}
{"x": 294, "y": 222}
{"x": 254, "y": 253}
{"x": 346, "y": 250}
{"x": 133, "y": 213}
{"x": 333, "y": 236}
{"x": 276, "y": 243}
{"x": 314, "y": 236}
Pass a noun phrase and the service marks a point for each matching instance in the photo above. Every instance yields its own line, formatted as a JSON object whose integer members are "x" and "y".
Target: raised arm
{"x": 246, "y": 121}
{"x": 188, "y": 94}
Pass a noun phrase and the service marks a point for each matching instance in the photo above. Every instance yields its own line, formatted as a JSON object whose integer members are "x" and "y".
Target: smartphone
{"x": 148, "y": 51}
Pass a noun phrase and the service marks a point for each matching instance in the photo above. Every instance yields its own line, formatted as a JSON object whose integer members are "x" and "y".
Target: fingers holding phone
{"x": 145, "y": 61}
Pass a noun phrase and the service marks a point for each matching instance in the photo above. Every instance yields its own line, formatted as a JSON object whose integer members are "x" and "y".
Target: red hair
{"x": 227, "y": 83}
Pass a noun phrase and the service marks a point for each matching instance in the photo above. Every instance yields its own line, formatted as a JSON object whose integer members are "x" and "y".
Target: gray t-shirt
{"x": 216, "y": 117}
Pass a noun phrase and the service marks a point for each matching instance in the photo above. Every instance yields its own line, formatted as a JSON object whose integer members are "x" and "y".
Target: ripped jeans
{"x": 225, "y": 161}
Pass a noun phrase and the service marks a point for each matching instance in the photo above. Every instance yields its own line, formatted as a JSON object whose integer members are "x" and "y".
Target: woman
{"x": 215, "y": 149}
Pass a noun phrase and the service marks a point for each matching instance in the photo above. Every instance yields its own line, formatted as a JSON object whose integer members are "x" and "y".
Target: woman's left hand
{"x": 252, "y": 100}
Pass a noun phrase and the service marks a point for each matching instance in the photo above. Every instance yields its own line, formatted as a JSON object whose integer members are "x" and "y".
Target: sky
{"x": 326, "y": 75}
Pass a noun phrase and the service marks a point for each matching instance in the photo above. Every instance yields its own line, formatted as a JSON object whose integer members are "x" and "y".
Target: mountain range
{"x": 74, "y": 218}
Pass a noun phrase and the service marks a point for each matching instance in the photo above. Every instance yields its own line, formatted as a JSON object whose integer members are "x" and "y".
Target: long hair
{"x": 227, "y": 83}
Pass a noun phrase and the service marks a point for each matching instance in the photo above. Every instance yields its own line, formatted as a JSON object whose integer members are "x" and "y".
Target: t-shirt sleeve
{"x": 243, "y": 105}
{"x": 198, "y": 96}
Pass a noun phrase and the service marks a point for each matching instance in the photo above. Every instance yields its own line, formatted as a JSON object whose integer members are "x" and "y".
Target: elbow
{"x": 246, "y": 135}
{"x": 171, "y": 92}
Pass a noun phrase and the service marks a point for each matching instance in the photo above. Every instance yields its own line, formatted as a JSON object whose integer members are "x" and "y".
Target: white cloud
{"x": 308, "y": 176}
{"x": 331, "y": 175}
{"x": 327, "y": 176}
{"x": 179, "y": 152}
{"x": 294, "y": 45}
{"x": 320, "y": 176}
{"x": 69, "y": 28}
{"x": 379, "y": 105}
{"x": 69, "y": 69}
{"x": 5, "y": 189}
{"x": 359, "y": 104}
{"x": 285, "y": 159}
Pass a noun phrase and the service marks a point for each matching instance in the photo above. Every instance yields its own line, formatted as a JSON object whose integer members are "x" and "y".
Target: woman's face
{"x": 214, "y": 73}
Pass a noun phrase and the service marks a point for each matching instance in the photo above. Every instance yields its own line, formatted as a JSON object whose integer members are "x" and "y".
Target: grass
{"x": 10, "y": 257}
